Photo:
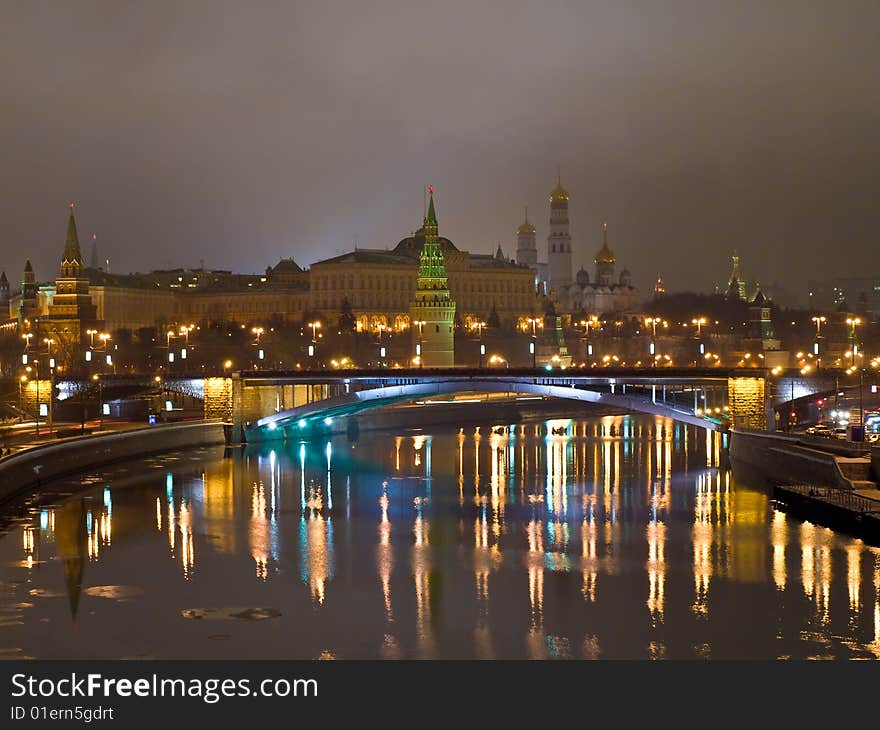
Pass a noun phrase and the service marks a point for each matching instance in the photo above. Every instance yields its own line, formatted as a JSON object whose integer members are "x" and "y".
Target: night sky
{"x": 238, "y": 133}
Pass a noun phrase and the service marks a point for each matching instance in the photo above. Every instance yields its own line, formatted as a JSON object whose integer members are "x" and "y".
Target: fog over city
{"x": 236, "y": 134}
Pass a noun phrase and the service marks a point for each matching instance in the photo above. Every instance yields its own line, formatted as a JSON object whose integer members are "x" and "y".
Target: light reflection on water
{"x": 617, "y": 537}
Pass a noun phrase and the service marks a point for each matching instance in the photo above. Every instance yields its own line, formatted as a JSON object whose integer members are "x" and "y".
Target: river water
{"x": 618, "y": 537}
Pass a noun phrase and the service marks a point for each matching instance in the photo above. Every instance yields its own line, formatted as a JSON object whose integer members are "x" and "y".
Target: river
{"x": 619, "y": 537}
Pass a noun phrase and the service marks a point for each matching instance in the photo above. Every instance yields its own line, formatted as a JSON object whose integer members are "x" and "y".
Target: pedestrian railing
{"x": 845, "y": 498}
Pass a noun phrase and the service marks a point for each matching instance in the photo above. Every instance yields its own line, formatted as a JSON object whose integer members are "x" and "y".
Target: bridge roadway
{"x": 653, "y": 391}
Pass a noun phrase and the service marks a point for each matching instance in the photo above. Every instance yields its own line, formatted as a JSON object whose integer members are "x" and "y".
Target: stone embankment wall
{"x": 782, "y": 459}
{"x": 36, "y": 466}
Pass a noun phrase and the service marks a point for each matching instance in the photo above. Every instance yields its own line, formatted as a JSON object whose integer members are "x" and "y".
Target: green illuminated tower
{"x": 432, "y": 311}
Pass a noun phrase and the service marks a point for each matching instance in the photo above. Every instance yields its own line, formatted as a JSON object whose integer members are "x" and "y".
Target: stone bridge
{"x": 272, "y": 405}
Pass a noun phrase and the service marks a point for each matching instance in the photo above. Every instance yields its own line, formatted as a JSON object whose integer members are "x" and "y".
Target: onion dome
{"x": 526, "y": 228}
{"x": 605, "y": 256}
{"x": 559, "y": 193}
{"x": 582, "y": 277}
{"x": 625, "y": 278}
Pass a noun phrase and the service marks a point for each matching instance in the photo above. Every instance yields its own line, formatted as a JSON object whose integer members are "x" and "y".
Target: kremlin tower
{"x": 432, "y": 311}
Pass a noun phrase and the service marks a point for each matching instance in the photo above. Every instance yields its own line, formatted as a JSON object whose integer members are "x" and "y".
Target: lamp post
{"x": 817, "y": 346}
{"x": 853, "y": 322}
{"x": 420, "y": 323}
{"x": 313, "y": 348}
{"x": 478, "y": 326}
{"x": 587, "y": 324}
{"x": 97, "y": 379}
{"x": 535, "y": 322}
{"x": 652, "y": 322}
{"x": 699, "y": 322}
{"x": 37, "y": 413}
{"x": 380, "y": 328}
{"x": 258, "y": 331}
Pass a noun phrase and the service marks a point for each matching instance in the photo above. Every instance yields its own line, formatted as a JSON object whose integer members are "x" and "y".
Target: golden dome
{"x": 526, "y": 227}
{"x": 604, "y": 256}
{"x": 558, "y": 193}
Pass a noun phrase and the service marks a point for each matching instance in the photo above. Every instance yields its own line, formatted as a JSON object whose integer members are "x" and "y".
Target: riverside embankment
{"x": 40, "y": 464}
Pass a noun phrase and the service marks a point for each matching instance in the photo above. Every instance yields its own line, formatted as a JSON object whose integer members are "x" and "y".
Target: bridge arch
{"x": 275, "y": 425}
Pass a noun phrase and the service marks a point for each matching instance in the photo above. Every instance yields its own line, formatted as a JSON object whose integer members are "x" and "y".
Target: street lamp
{"x": 420, "y": 358}
{"x": 587, "y": 324}
{"x": 819, "y": 321}
{"x": 258, "y": 331}
{"x": 652, "y": 322}
{"x": 478, "y": 326}
{"x": 316, "y": 325}
{"x": 97, "y": 378}
{"x": 380, "y": 328}
{"x": 699, "y": 322}
{"x": 853, "y": 322}
{"x": 535, "y": 322}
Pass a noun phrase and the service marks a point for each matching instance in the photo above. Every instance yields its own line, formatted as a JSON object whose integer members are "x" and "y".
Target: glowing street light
{"x": 316, "y": 325}
{"x": 853, "y": 322}
{"x": 535, "y": 322}
{"x": 478, "y": 325}
{"x": 419, "y": 358}
{"x": 699, "y": 322}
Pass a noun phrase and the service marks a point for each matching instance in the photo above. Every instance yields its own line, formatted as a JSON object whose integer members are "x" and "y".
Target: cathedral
{"x": 607, "y": 292}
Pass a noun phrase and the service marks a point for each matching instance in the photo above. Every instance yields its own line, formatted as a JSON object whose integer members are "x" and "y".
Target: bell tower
{"x": 559, "y": 241}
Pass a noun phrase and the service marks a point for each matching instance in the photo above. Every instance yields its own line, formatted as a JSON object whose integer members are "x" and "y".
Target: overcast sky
{"x": 241, "y": 132}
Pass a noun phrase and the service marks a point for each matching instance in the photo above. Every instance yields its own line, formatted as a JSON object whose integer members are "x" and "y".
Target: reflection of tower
{"x": 70, "y": 541}
{"x": 432, "y": 303}
{"x": 559, "y": 241}
{"x": 526, "y": 243}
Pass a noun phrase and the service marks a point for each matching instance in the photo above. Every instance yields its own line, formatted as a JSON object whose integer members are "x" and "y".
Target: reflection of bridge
{"x": 264, "y": 409}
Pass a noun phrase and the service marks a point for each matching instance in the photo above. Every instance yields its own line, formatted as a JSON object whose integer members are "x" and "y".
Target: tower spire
{"x": 431, "y": 216}
{"x": 72, "y": 253}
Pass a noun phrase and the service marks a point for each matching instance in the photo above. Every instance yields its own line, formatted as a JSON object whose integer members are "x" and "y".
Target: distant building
{"x": 378, "y": 284}
{"x": 845, "y": 292}
{"x": 736, "y": 284}
{"x": 605, "y": 293}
